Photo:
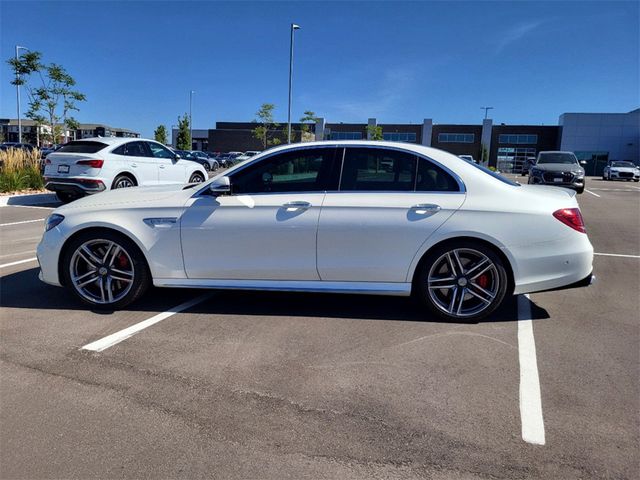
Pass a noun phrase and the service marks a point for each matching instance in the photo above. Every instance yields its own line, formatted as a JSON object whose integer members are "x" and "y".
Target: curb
{"x": 28, "y": 199}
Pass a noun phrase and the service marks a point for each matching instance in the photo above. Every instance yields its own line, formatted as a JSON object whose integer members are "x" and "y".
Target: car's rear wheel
{"x": 580, "y": 190}
{"x": 123, "y": 181}
{"x": 462, "y": 281}
{"x": 105, "y": 270}
{"x": 196, "y": 178}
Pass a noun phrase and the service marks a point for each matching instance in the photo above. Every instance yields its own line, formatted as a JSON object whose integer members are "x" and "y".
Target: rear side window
{"x": 376, "y": 169}
{"x": 432, "y": 178}
{"x": 80, "y": 146}
{"x": 132, "y": 149}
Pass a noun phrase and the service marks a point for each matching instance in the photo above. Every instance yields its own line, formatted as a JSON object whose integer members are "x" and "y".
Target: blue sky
{"x": 396, "y": 61}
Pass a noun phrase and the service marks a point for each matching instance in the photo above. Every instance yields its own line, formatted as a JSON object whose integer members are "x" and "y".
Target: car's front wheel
{"x": 105, "y": 270}
{"x": 461, "y": 281}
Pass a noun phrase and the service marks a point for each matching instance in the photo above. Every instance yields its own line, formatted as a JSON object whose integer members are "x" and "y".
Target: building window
{"x": 511, "y": 160}
{"x": 456, "y": 137}
{"x": 518, "y": 138}
{"x": 399, "y": 137}
{"x": 345, "y": 136}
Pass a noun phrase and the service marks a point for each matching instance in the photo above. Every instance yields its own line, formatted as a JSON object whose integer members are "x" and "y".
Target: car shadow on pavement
{"x": 24, "y": 290}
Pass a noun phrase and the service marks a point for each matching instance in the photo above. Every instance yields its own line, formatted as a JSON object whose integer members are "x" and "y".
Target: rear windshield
{"x": 563, "y": 158}
{"x": 82, "y": 147}
{"x": 495, "y": 175}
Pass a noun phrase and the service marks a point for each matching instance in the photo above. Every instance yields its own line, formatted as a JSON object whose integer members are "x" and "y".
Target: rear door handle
{"x": 426, "y": 208}
{"x": 299, "y": 205}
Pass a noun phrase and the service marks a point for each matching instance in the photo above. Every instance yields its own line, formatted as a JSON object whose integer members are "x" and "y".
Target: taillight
{"x": 91, "y": 163}
{"x": 571, "y": 217}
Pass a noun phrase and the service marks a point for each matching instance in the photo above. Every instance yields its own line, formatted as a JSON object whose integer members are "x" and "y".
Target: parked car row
{"x": 617, "y": 170}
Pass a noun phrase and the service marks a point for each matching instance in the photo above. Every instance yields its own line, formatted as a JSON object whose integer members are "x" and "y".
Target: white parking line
{"x": 114, "y": 338}
{"x": 20, "y": 223}
{"x": 594, "y": 194}
{"x": 616, "y": 189}
{"x": 530, "y": 399}
{"x": 19, "y": 262}
{"x": 617, "y": 255}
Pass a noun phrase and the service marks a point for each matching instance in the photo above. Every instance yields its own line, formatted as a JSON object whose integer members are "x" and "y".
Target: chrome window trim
{"x": 456, "y": 177}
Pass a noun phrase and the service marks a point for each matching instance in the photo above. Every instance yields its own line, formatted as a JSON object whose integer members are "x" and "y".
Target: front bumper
{"x": 624, "y": 176}
{"x": 48, "y": 253}
{"x": 576, "y": 183}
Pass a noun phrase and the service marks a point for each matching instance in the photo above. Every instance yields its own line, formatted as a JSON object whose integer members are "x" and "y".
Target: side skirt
{"x": 371, "y": 288}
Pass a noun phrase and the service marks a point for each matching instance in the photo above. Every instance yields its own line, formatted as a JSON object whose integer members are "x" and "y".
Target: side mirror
{"x": 220, "y": 186}
{"x": 177, "y": 157}
{"x": 583, "y": 162}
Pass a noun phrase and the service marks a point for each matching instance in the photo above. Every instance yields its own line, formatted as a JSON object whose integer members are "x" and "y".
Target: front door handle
{"x": 161, "y": 166}
{"x": 426, "y": 208}
{"x": 299, "y": 205}
{"x": 134, "y": 165}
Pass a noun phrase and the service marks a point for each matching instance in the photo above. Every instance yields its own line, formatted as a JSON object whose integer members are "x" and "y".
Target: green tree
{"x": 183, "y": 141}
{"x": 374, "y": 132}
{"x": 160, "y": 134}
{"x": 266, "y": 125}
{"x": 49, "y": 89}
{"x": 305, "y": 129}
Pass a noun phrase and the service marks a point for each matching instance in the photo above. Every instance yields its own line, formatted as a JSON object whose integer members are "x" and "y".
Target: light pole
{"x": 486, "y": 111}
{"x": 294, "y": 27}
{"x": 191, "y": 92}
{"x": 18, "y": 47}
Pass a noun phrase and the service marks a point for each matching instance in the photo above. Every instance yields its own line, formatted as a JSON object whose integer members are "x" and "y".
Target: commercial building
{"x": 33, "y": 133}
{"x": 595, "y": 138}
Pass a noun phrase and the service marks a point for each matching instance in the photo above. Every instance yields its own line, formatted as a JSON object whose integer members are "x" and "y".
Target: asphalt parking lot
{"x": 274, "y": 385}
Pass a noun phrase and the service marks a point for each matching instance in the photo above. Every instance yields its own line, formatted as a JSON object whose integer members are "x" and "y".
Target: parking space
{"x": 275, "y": 385}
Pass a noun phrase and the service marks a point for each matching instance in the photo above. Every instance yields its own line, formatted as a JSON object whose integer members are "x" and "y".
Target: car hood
{"x": 156, "y": 196}
{"x": 558, "y": 167}
{"x": 623, "y": 169}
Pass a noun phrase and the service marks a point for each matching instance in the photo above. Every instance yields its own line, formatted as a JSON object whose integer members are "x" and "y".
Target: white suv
{"x": 93, "y": 165}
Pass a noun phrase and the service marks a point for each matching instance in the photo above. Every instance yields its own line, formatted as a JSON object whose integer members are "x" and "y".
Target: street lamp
{"x": 190, "y": 123}
{"x": 18, "y": 47}
{"x": 294, "y": 27}
{"x": 486, "y": 111}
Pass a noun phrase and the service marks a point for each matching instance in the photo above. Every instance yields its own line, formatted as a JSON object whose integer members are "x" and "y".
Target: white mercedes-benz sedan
{"x": 351, "y": 217}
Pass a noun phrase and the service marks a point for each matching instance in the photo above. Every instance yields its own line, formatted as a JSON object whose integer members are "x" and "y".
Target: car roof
{"x": 114, "y": 140}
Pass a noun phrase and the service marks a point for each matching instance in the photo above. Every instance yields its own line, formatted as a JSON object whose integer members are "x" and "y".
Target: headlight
{"x": 53, "y": 220}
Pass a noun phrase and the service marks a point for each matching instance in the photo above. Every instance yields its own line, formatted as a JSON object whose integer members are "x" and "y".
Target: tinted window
{"x": 495, "y": 175}
{"x": 82, "y": 147}
{"x": 299, "y": 171}
{"x": 562, "y": 158}
{"x": 378, "y": 169}
{"x": 159, "y": 151}
{"x": 432, "y": 178}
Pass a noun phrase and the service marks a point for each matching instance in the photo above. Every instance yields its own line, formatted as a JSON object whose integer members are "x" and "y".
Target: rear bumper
{"x": 76, "y": 186}
{"x": 585, "y": 282}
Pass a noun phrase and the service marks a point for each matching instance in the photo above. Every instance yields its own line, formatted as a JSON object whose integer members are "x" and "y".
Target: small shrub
{"x": 20, "y": 170}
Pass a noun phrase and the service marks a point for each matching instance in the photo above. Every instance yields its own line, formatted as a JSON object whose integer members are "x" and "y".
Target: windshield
{"x": 495, "y": 175}
{"x": 562, "y": 158}
{"x": 82, "y": 147}
{"x": 623, "y": 164}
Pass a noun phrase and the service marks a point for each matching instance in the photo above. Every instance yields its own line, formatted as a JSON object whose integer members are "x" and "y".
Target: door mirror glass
{"x": 220, "y": 186}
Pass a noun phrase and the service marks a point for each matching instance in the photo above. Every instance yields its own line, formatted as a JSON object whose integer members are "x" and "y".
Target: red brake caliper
{"x": 483, "y": 280}
{"x": 122, "y": 261}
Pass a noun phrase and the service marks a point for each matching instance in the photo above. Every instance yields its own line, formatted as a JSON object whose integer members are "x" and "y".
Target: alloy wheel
{"x": 101, "y": 271}
{"x": 463, "y": 282}
{"x": 124, "y": 182}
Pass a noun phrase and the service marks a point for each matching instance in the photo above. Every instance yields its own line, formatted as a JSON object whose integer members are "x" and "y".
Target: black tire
{"x": 580, "y": 190}
{"x": 66, "y": 197}
{"x": 196, "y": 178}
{"x": 636, "y": 180}
{"x": 141, "y": 275}
{"x": 123, "y": 181}
{"x": 206, "y": 166}
{"x": 496, "y": 280}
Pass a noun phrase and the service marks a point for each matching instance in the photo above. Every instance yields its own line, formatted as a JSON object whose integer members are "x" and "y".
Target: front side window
{"x": 376, "y": 169}
{"x": 307, "y": 170}
{"x": 159, "y": 151}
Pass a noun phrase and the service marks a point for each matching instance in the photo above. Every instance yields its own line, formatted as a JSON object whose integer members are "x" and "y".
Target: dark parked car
{"x": 561, "y": 169}
{"x": 527, "y": 164}
{"x": 210, "y": 164}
